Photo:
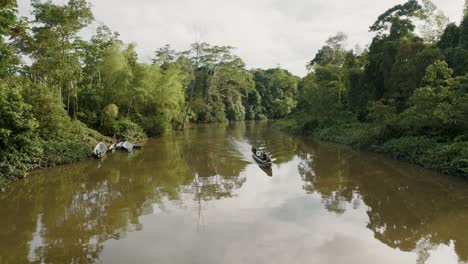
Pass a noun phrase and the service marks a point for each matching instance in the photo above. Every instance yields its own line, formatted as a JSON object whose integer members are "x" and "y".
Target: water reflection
{"x": 408, "y": 208}
{"x": 322, "y": 197}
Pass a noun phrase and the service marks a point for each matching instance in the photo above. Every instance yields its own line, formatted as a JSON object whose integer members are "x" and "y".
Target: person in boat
{"x": 254, "y": 149}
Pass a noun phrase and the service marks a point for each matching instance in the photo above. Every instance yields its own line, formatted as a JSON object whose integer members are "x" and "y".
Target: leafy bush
{"x": 128, "y": 130}
{"x": 154, "y": 125}
{"x": 444, "y": 157}
{"x": 293, "y": 124}
{"x": 447, "y": 158}
{"x": 48, "y": 110}
{"x": 63, "y": 152}
{"x": 19, "y": 142}
{"x": 361, "y": 134}
{"x": 260, "y": 117}
{"x": 407, "y": 148}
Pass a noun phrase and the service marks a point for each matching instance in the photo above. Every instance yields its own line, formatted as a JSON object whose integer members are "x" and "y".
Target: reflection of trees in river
{"x": 408, "y": 208}
{"x": 327, "y": 176}
{"x": 76, "y": 214}
{"x": 73, "y": 210}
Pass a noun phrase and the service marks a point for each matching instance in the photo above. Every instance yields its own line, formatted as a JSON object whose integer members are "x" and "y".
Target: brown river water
{"x": 198, "y": 196}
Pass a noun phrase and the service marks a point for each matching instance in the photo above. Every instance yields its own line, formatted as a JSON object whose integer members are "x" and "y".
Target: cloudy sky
{"x": 266, "y": 33}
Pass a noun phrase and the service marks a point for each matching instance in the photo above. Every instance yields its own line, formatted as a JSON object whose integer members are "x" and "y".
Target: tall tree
{"x": 53, "y": 45}
{"x": 8, "y": 58}
{"x": 333, "y": 52}
{"x": 434, "y": 22}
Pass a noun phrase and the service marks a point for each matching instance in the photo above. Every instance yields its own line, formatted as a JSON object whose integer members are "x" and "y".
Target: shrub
{"x": 290, "y": 124}
{"x": 448, "y": 158}
{"x": 128, "y": 130}
{"x": 260, "y": 117}
{"x": 154, "y": 125}
{"x": 19, "y": 143}
{"x": 407, "y": 148}
{"x": 63, "y": 152}
{"x": 48, "y": 110}
{"x": 360, "y": 134}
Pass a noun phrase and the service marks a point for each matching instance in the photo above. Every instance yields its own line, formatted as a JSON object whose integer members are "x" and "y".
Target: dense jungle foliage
{"x": 405, "y": 95}
{"x": 60, "y": 94}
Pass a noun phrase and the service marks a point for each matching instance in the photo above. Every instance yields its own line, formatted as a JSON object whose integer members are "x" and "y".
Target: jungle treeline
{"x": 405, "y": 95}
{"x": 60, "y": 93}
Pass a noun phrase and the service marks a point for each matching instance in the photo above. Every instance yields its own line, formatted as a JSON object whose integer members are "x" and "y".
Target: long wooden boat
{"x": 100, "y": 150}
{"x": 262, "y": 161}
{"x": 259, "y": 158}
{"x": 267, "y": 169}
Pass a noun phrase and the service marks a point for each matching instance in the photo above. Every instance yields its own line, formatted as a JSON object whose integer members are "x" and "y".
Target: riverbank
{"x": 439, "y": 154}
{"x": 15, "y": 164}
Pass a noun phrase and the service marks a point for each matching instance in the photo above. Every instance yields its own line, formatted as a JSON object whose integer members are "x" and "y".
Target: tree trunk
{"x": 76, "y": 101}
{"x": 68, "y": 99}
{"x": 192, "y": 84}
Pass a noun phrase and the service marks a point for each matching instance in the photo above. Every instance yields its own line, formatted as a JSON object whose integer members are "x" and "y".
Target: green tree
{"x": 220, "y": 83}
{"x": 450, "y": 38}
{"x": 434, "y": 22}
{"x": 332, "y": 53}
{"x": 439, "y": 108}
{"x": 52, "y": 46}
{"x": 397, "y": 18}
{"x": 464, "y": 32}
{"x": 278, "y": 91}
{"x": 8, "y": 59}
{"x": 18, "y": 139}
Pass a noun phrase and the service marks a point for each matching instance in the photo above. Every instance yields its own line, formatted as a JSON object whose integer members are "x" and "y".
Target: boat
{"x": 100, "y": 150}
{"x": 258, "y": 156}
{"x": 113, "y": 147}
{"x": 119, "y": 145}
{"x": 262, "y": 161}
{"x": 267, "y": 169}
{"x": 127, "y": 146}
{"x": 137, "y": 146}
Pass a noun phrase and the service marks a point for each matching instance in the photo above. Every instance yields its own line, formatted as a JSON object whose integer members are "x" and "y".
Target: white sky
{"x": 266, "y": 33}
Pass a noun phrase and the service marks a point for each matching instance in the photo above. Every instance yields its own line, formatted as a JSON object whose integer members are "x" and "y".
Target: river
{"x": 197, "y": 196}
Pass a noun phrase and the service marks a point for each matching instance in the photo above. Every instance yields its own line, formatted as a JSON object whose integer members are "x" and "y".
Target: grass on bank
{"x": 450, "y": 157}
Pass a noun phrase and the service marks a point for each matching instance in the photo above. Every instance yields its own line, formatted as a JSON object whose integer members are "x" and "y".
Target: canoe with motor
{"x": 261, "y": 161}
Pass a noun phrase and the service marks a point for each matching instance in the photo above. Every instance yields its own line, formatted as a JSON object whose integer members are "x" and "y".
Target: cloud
{"x": 265, "y": 32}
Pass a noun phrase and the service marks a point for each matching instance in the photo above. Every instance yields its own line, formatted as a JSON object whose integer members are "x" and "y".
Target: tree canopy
{"x": 409, "y": 85}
